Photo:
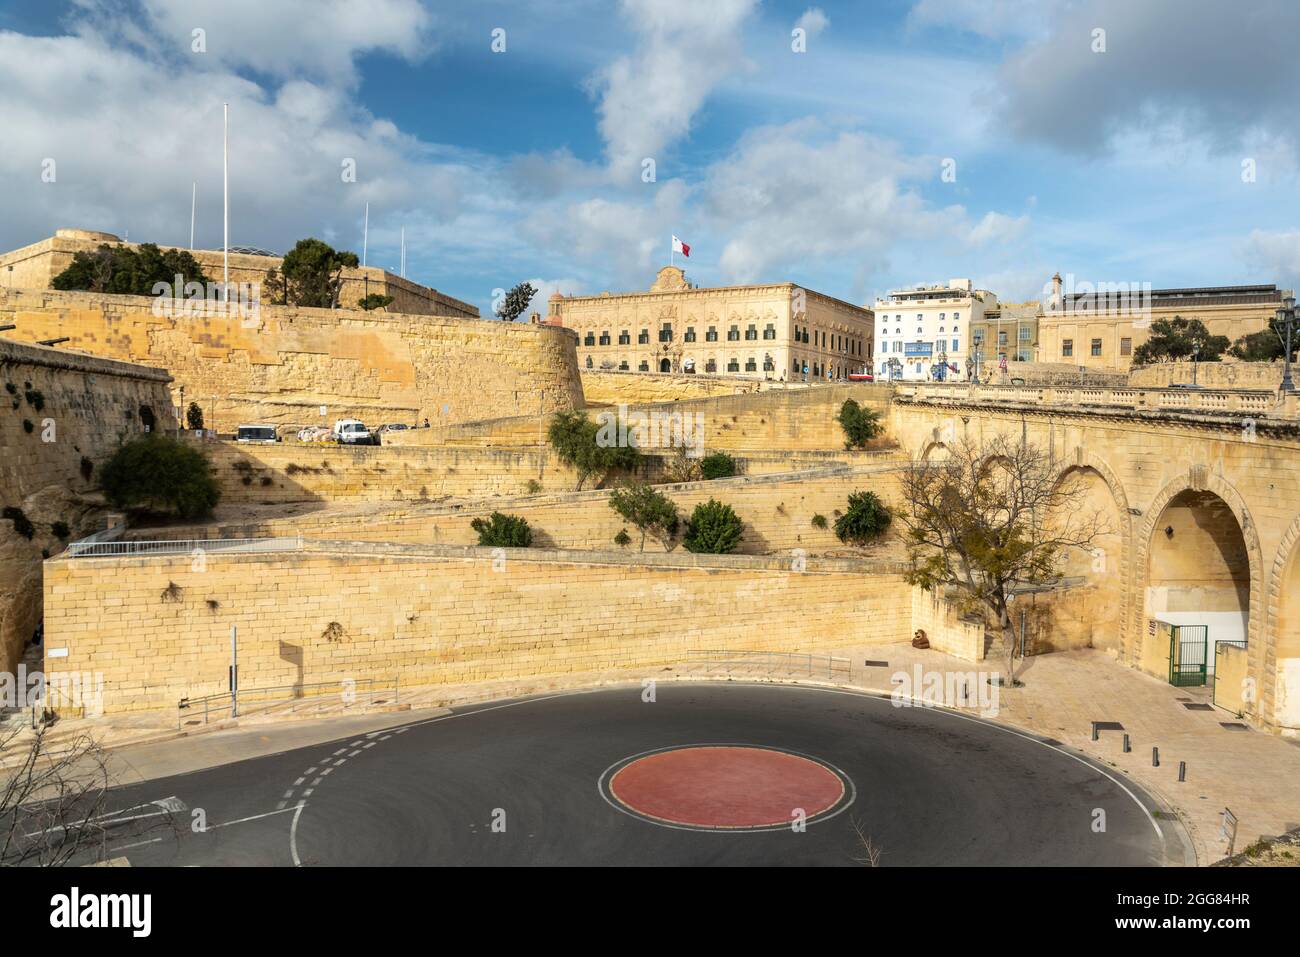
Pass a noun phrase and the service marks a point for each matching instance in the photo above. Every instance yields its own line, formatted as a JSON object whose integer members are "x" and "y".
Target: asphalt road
{"x": 928, "y": 788}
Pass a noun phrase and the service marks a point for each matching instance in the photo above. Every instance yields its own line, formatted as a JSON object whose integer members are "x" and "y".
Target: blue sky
{"x": 1166, "y": 156}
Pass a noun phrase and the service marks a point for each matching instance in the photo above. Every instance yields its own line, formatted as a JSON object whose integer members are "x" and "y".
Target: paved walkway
{"x": 1255, "y": 774}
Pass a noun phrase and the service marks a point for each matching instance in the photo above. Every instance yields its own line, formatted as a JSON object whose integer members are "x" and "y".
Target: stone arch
{"x": 1280, "y": 702}
{"x": 1198, "y": 480}
{"x": 1116, "y": 543}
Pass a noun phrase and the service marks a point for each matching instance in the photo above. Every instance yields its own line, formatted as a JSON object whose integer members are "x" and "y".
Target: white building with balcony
{"x": 923, "y": 333}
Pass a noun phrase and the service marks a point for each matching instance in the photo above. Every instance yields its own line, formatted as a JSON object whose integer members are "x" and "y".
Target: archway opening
{"x": 1083, "y": 610}
{"x": 1198, "y": 591}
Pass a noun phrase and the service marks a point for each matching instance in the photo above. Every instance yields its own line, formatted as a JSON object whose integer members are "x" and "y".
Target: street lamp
{"x": 1287, "y": 316}
{"x": 1196, "y": 355}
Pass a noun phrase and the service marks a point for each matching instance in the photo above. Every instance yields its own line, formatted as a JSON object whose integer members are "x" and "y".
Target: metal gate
{"x": 1187, "y": 655}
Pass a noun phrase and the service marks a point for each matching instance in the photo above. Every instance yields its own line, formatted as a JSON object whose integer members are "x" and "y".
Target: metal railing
{"x": 181, "y": 546}
{"x": 361, "y": 692}
{"x": 829, "y": 667}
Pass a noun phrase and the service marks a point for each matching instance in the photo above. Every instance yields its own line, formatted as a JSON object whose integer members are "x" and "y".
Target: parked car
{"x": 861, "y": 377}
{"x": 315, "y": 433}
{"x": 393, "y": 427}
{"x": 257, "y": 433}
{"x": 354, "y": 432}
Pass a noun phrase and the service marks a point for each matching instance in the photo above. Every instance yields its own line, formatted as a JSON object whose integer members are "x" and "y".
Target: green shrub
{"x": 35, "y": 399}
{"x": 819, "y": 521}
{"x": 503, "y": 531}
{"x": 27, "y": 426}
{"x": 867, "y": 517}
{"x": 650, "y": 511}
{"x": 534, "y": 486}
{"x": 860, "y": 425}
{"x": 717, "y": 465}
{"x": 22, "y": 524}
{"x": 194, "y": 417}
{"x": 87, "y": 468}
{"x": 583, "y": 444}
{"x": 622, "y": 538}
{"x": 60, "y": 530}
{"x": 159, "y": 472}
{"x": 713, "y": 529}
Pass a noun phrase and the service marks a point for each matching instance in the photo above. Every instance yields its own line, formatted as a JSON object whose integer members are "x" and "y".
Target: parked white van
{"x": 353, "y": 432}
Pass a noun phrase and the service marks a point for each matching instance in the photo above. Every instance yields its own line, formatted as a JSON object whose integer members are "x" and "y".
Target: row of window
{"x": 1067, "y": 347}
{"x": 914, "y": 348}
{"x": 920, "y": 317}
{"x": 1024, "y": 334}
{"x": 710, "y": 365}
{"x": 831, "y": 341}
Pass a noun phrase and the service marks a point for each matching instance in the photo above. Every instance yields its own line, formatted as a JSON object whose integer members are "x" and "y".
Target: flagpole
{"x": 365, "y": 236}
{"x": 194, "y": 195}
{"x": 672, "y": 250}
{"x": 225, "y": 202}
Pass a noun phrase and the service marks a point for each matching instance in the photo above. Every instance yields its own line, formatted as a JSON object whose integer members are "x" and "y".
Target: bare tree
{"x": 870, "y": 849}
{"x": 54, "y": 800}
{"x": 991, "y": 519}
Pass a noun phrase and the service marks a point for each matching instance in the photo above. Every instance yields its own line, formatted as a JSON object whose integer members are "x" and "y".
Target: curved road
{"x": 927, "y": 787}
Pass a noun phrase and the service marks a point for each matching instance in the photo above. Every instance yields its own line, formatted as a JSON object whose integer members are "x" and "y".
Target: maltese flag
{"x": 681, "y": 247}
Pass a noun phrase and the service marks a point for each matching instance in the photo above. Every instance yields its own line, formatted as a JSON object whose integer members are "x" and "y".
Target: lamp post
{"x": 1196, "y": 355}
{"x": 1287, "y": 315}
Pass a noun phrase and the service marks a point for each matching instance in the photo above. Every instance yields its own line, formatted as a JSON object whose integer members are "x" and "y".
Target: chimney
{"x": 1054, "y": 304}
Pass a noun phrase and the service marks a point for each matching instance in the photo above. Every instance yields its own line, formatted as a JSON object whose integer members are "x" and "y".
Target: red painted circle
{"x": 726, "y": 786}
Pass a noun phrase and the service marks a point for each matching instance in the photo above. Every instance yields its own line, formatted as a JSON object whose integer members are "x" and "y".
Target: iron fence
{"x": 181, "y": 546}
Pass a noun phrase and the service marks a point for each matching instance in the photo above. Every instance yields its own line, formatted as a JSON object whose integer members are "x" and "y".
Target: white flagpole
{"x": 672, "y": 251}
{"x": 403, "y": 252}
{"x": 225, "y": 201}
{"x": 365, "y": 236}
{"x": 194, "y": 195}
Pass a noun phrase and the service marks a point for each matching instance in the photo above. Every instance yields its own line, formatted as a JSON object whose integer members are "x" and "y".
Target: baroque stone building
{"x": 781, "y": 331}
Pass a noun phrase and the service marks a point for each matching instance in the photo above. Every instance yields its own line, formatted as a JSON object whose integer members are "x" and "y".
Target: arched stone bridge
{"x": 1202, "y": 496}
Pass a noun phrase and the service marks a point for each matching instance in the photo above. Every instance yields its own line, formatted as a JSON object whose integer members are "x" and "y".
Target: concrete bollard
{"x": 1155, "y": 757}
{"x": 1182, "y": 770}
{"x": 1127, "y": 749}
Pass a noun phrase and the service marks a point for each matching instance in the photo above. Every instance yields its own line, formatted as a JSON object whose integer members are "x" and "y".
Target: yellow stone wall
{"x": 643, "y": 388}
{"x": 436, "y": 616}
{"x": 35, "y": 266}
{"x": 89, "y": 405}
{"x": 281, "y": 367}
{"x": 1251, "y": 463}
{"x": 1212, "y": 375}
{"x": 777, "y": 511}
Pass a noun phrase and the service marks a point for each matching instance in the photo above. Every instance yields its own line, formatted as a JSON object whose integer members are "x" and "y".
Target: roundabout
{"x": 707, "y": 774}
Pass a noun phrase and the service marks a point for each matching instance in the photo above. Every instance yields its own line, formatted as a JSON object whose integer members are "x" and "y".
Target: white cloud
{"x": 647, "y": 100}
{"x": 799, "y": 193}
{"x": 998, "y": 227}
{"x": 292, "y": 38}
{"x": 1171, "y": 70}
{"x": 813, "y": 21}
{"x": 1276, "y": 256}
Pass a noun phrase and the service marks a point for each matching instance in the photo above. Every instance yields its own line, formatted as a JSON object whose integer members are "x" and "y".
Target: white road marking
{"x": 293, "y": 834}
{"x": 255, "y": 817}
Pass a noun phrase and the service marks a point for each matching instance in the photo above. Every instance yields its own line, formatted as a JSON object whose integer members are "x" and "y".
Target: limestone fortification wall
{"x": 36, "y": 265}
{"x": 782, "y": 420}
{"x": 777, "y": 511}
{"x": 1212, "y": 375}
{"x": 158, "y": 630}
{"x": 284, "y": 365}
{"x": 610, "y": 387}
{"x": 79, "y": 409}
